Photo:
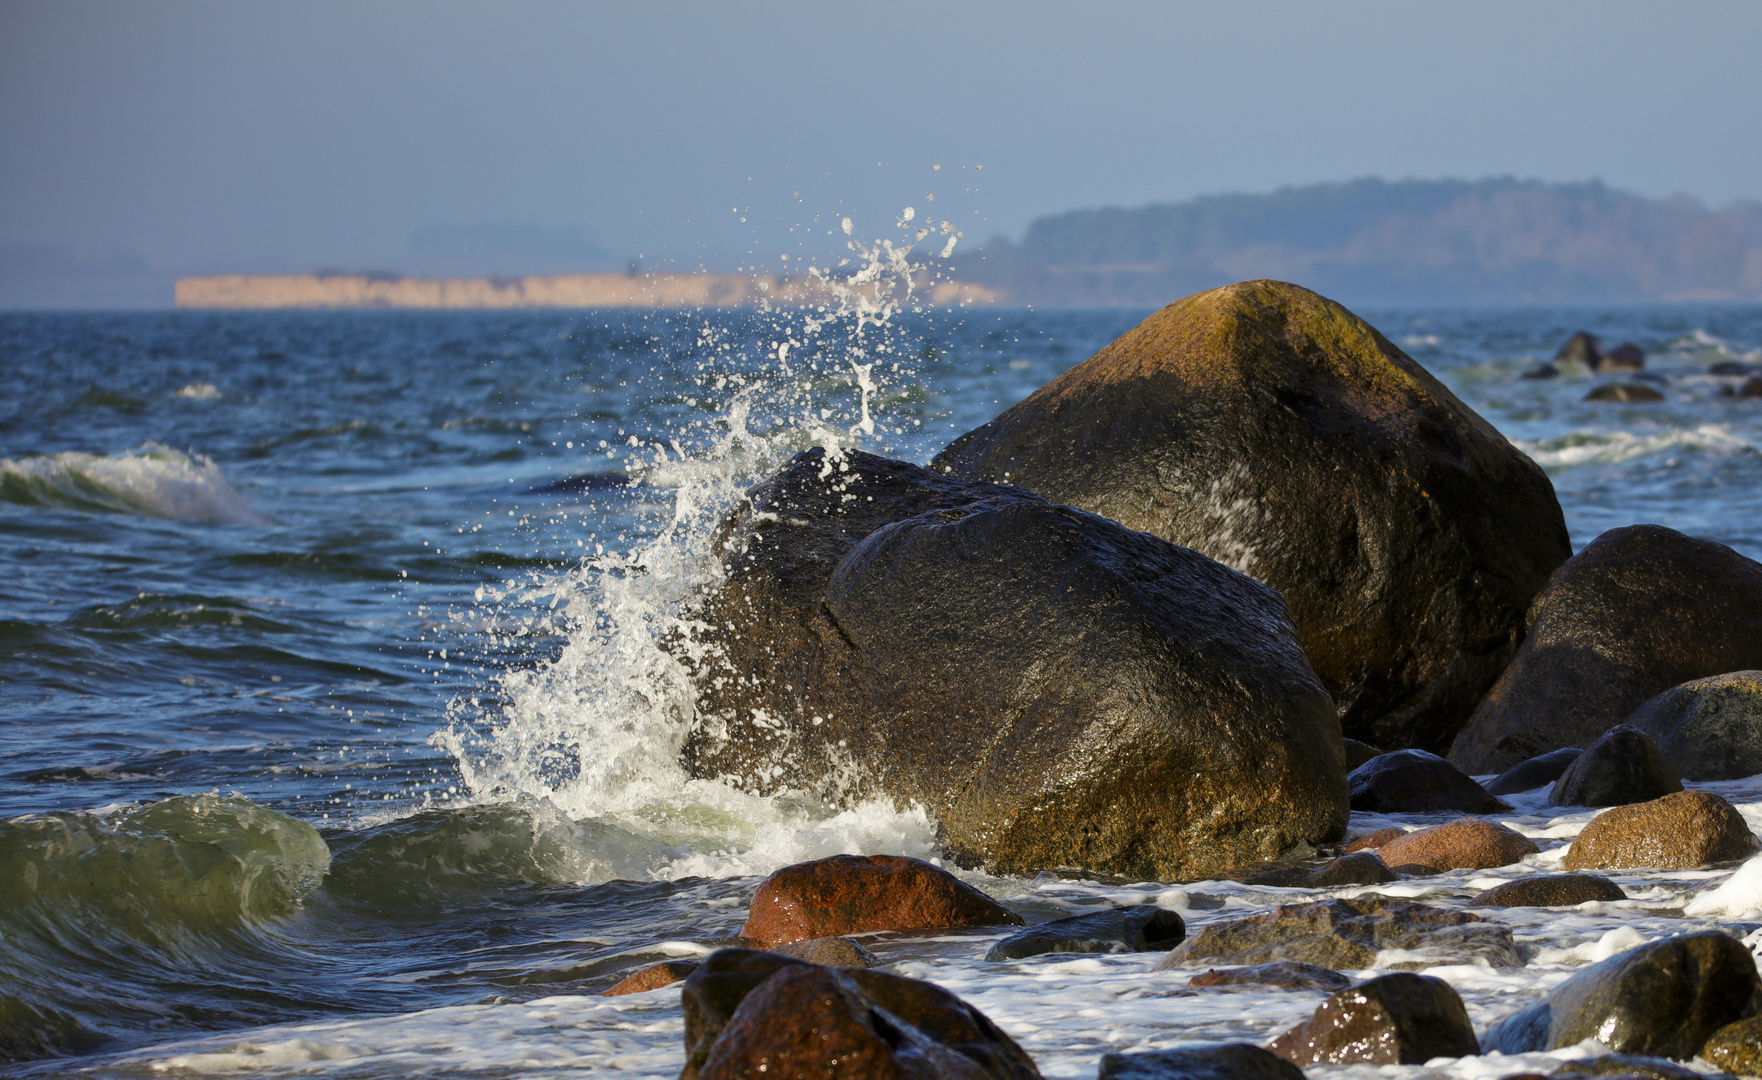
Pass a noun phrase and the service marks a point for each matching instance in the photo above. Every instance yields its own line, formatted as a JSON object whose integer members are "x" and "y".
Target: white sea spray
{"x": 153, "y": 480}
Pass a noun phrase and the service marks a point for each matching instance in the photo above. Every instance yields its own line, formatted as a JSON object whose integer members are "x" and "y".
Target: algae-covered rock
{"x": 1275, "y": 431}
{"x": 1399, "y": 1019}
{"x": 1349, "y": 934}
{"x": 1641, "y": 609}
{"x": 1058, "y": 690}
{"x": 1737, "y": 1047}
{"x": 1709, "y": 729}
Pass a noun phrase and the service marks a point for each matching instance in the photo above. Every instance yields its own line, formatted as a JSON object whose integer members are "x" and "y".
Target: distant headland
{"x": 268, "y": 291}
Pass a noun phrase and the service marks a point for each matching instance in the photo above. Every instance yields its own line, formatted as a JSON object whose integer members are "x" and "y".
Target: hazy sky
{"x": 208, "y": 137}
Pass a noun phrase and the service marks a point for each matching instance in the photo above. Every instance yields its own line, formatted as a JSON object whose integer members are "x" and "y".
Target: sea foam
{"x": 152, "y": 480}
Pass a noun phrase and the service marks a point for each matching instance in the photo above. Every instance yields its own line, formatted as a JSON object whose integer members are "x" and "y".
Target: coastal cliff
{"x": 248, "y": 291}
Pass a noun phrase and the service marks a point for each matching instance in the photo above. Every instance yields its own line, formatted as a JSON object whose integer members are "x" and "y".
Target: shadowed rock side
{"x": 1709, "y": 729}
{"x": 1057, "y": 689}
{"x": 1275, "y": 431}
{"x": 1638, "y": 611}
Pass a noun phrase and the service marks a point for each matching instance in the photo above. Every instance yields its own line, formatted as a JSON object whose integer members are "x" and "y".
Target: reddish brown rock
{"x": 1374, "y": 840}
{"x": 1678, "y": 832}
{"x": 1469, "y": 843}
{"x": 754, "y": 1014}
{"x": 653, "y": 977}
{"x": 853, "y": 894}
{"x": 1400, "y": 1019}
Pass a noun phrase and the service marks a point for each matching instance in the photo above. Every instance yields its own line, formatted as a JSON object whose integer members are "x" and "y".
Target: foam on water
{"x": 153, "y": 480}
{"x": 1579, "y": 449}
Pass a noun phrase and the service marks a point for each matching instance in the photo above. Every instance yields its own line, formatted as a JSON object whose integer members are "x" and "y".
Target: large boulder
{"x": 1349, "y": 934}
{"x": 854, "y": 894}
{"x": 752, "y": 1013}
{"x": 1638, "y": 611}
{"x": 1417, "y": 782}
{"x": 1709, "y": 729}
{"x": 1664, "y": 998}
{"x": 1623, "y": 766}
{"x": 1055, "y": 688}
{"x": 1399, "y": 1019}
{"x": 1678, "y": 832}
{"x": 1275, "y": 431}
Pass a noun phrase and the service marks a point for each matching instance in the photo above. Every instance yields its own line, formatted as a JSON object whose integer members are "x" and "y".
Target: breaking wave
{"x": 1580, "y": 449}
{"x": 152, "y": 480}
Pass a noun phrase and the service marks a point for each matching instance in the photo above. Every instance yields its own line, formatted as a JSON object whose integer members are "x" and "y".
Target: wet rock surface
{"x": 1058, "y": 690}
{"x": 1680, "y": 831}
{"x": 653, "y": 977}
{"x": 1641, "y": 609}
{"x": 1375, "y": 839}
{"x": 1581, "y": 348}
{"x": 1355, "y": 868}
{"x": 1403, "y": 1019}
{"x": 830, "y": 951}
{"x": 1231, "y": 1061}
{"x": 1709, "y": 729}
{"x": 1414, "y": 781}
{"x": 1634, "y": 1065}
{"x": 1628, "y": 393}
{"x": 1623, "y": 766}
{"x": 1141, "y": 928}
{"x": 1349, "y": 934}
{"x": 750, "y": 1013}
{"x": 1286, "y": 975}
{"x": 1552, "y": 890}
{"x": 1272, "y": 429}
{"x": 852, "y": 894}
{"x": 1664, "y": 998}
{"x": 1464, "y": 844}
{"x": 1737, "y": 1047}
{"x": 1536, "y": 772}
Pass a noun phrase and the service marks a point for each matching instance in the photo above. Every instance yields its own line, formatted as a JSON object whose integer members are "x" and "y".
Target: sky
{"x": 143, "y": 141}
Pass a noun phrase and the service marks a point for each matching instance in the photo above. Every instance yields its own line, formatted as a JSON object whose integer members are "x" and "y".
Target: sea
{"x": 336, "y": 738}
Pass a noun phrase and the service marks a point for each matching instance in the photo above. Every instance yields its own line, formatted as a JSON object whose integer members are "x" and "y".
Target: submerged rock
{"x": 1400, "y": 1019}
{"x": 1141, "y": 928}
{"x": 1414, "y": 781}
{"x": 1678, "y": 832}
{"x": 1737, "y": 1047}
{"x": 1348, "y": 934}
{"x": 1634, "y": 1066}
{"x": 1371, "y": 841}
{"x": 1709, "y": 729}
{"x": 653, "y": 977}
{"x": 1532, "y": 774}
{"x": 754, "y": 1013}
{"x": 1623, "y": 766}
{"x": 1469, "y": 843}
{"x": 1057, "y": 690}
{"x": 1549, "y": 890}
{"x": 852, "y": 894}
{"x": 1638, "y": 611}
{"x": 1631, "y": 393}
{"x": 831, "y": 952}
{"x": 1664, "y": 998}
{"x": 1355, "y": 868}
{"x": 1581, "y": 348}
{"x": 1624, "y": 357}
{"x": 1286, "y": 975}
{"x": 1272, "y": 429}
{"x": 1229, "y": 1061}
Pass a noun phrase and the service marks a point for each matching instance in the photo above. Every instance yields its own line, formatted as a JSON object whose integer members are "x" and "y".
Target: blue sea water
{"x": 329, "y": 692}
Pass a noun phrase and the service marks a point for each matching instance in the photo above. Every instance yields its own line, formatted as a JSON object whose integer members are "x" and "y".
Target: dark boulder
{"x": 1464, "y": 844}
{"x": 1229, "y": 1061}
{"x": 1414, "y": 781}
{"x": 1285, "y": 974}
{"x": 1640, "y": 610}
{"x": 1541, "y": 371}
{"x": 1751, "y": 387}
{"x": 1348, "y": 934}
{"x": 1549, "y": 890}
{"x": 1532, "y": 774}
{"x": 1737, "y": 1047}
{"x": 1623, "y": 766}
{"x": 1275, "y": 431}
{"x": 753, "y": 1013}
{"x": 1400, "y": 1019}
{"x": 1709, "y": 729}
{"x": 1357, "y": 753}
{"x": 1683, "y": 831}
{"x": 1624, "y": 357}
{"x": 1141, "y": 928}
{"x": 653, "y": 977}
{"x": 1663, "y": 998}
{"x": 1581, "y": 348}
{"x": 853, "y": 894}
{"x": 1355, "y": 868}
{"x": 1628, "y": 393}
{"x": 1056, "y": 689}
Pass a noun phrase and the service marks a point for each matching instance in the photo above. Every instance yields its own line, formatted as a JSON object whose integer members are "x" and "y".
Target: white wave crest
{"x": 1583, "y": 448}
{"x": 152, "y": 480}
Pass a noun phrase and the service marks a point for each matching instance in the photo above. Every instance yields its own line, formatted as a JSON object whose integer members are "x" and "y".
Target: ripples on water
{"x": 330, "y": 690}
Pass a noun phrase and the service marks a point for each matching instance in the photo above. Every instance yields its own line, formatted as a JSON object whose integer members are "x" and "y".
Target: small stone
{"x": 1413, "y": 781}
{"x": 1348, "y": 934}
{"x": 1737, "y": 1047}
{"x": 653, "y": 977}
{"x": 1469, "y": 843}
{"x": 1400, "y": 1019}
{"x": 830, "y": 951}
{"x": 1357, "y": 868}
{"x": 1664, "y": 998}
{"x": 1549, "y": 890}
{"x": 1357, "y": 753}
{"x": 1371, "y": 841}
{"x": 850, "y": 894}
{"x": 1141, "y": 928}
{"x": 1628, "y": 393}
{"x": 1286, "y": 975}
{"x": 1229, "y": 1061}
{"x": 1678, "y": 832}
{"x": 1532, "y": 774}
{"x": 1623, "y": 766}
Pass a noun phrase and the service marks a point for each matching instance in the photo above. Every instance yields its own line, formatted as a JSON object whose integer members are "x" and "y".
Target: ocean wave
{"x": 152, "y": 480}
{"x": 1579, "y": 449}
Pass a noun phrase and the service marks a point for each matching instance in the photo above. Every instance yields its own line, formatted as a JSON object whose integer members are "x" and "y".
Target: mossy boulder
{"x": 1277, "y": 432}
